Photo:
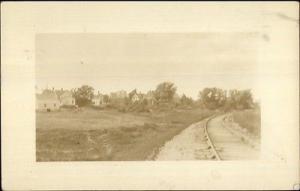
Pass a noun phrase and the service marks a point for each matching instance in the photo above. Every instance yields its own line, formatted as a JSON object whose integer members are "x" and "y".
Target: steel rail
{"x": 209, "y": 140}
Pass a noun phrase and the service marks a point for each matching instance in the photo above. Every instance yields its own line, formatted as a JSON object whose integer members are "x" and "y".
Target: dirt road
{"x": 188, "y": 145}
{"x": 191, "y": 144}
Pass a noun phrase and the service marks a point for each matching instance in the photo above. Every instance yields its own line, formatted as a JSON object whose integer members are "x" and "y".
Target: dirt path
{"x": 188, "y": 145}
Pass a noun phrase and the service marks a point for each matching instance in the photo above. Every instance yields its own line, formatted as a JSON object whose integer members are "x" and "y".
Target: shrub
{"x": 68, "y": 106}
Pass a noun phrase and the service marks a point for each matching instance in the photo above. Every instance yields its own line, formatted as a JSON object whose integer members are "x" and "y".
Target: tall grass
{"x": 249, "y": 119}
{"x": 95, "y": 135}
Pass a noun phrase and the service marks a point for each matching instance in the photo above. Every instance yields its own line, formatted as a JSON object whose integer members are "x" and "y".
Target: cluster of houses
{"x": 137, "y": 97}
{"x": 52, "y": 100}
{"x": 134, "y": 97}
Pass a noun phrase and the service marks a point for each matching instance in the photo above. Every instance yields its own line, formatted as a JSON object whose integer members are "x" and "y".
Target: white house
{"x": 47, "y": 101}
{"x": 98, "y": 100}
{"x": 66, "y": 98}
{"x": 135, "y": 98}
{"x": 150, "y": 97}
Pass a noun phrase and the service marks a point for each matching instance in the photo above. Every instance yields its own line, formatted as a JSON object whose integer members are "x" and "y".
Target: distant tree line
{"x": 216, "y": 98}
{"x": 165, "y": 96}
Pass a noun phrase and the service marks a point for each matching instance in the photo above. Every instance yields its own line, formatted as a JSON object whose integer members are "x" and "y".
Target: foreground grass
{"x": 108, "y": 135}
{"x": 249, "y": 119}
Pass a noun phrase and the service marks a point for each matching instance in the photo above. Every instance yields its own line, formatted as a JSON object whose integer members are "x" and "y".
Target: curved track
{"x": 226, "y": 144}
{"x": 210, "y": 143}
{"x": 210, "y": 139}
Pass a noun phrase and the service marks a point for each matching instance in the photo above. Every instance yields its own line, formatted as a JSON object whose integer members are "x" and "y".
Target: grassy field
{"x": 249, "y": 119}
{"x": 108, "y": 134}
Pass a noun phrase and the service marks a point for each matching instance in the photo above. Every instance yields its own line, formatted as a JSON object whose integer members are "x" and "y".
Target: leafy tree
{"x": 105, "y": 98}
{"x": 240, "y": 99}
{"x": 212, "y": 98}
{"x": 247, "y": 99}
{"x": 145, "y": 102}
{"x": 84, "y": 95}
{"x": 165, "y": 92}
{"x": 184, "y": 100}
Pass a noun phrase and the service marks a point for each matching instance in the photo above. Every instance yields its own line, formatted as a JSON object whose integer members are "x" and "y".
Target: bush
{"x": 122, "y": 109}
{"x": 68, "y": 106}
{"x": 138, "y": 107}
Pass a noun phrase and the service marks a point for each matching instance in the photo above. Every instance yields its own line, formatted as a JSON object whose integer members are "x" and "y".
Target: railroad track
{"x": 225, "y": 144}
{"x": 209, "y": 141}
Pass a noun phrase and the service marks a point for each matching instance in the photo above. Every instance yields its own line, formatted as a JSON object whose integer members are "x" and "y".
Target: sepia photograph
{"x": 150, "y": 96}
{"x": 147, "y": 96}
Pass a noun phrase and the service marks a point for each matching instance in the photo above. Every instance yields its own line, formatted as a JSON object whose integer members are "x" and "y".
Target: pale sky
{"x": 115, "y": 61}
